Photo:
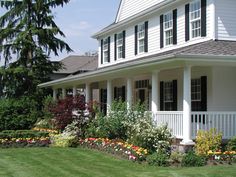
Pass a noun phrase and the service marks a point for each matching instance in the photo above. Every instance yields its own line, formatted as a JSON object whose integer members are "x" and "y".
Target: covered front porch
{"x": 188, "y": 96}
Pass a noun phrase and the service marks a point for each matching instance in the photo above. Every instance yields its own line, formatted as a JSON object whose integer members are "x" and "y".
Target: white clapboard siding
{"x": 225, "y": 19}
{"x": 131, "y": 7}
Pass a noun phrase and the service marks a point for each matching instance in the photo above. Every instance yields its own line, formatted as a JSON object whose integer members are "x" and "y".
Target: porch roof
{"x": 211, "y": 50}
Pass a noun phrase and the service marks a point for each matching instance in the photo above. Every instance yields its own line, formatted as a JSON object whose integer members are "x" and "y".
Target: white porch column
{"x": 74, "y": 91}
{"x": 63, "y": 93}
{"x": 129, "y": 92}
{"x": 155, "y": 91}
{"x": 187, "y": 107}
{"x": 54, "y": 94}
{"x": 109, "y": 95}
{"x": 87, "y": 92}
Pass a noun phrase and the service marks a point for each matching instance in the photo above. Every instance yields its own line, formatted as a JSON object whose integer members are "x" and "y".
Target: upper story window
{"x": 120, "y": 46}
{"x": 141, "y": 37}
{"x": 195, "y": 18}
{"x": 106, "y": 50}
{"x": 168, "y": 28}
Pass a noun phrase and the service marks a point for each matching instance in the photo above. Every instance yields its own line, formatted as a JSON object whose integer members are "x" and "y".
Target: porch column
{"x": 74, "y": 91}
{"x": 54, "y": 94}
{"x": 63, "y": 93}
{"x": 155, "y": 91}
{"x": 187, "y": 107}
{"x": 87, "y": 92}
{"x": 129, "y": 92}
{"x": 109, "y": 94}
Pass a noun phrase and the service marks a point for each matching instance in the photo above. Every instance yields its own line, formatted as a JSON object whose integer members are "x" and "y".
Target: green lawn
{"x": 47, "y": 162}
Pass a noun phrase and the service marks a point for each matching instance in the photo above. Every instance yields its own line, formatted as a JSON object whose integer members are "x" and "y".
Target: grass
{"x": 68, "y": 162}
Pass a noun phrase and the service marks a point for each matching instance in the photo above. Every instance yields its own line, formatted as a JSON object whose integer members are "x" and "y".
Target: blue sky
{"x": 80, "y": 19}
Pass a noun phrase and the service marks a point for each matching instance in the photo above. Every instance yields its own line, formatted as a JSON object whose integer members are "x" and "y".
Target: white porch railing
{"x": 224, "y": 122}
{"x": 173, "y": 119}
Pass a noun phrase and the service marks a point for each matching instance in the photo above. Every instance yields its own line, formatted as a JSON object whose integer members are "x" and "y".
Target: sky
{"x": 80, "y": 19}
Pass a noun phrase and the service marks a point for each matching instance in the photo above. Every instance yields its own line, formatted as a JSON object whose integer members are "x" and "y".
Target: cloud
{"x": 76, "y": 30}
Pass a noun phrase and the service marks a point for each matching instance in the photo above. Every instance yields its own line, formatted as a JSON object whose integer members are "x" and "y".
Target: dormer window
{"x": 195, "y": 18}
{"x": 141, "y": 36}
{"x": 168, "y": 28}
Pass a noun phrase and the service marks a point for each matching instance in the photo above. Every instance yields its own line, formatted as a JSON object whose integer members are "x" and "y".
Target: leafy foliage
{"x": 17, "y": 114}
{"x": 208, "y": 140}
{"x": 231, "y": 146}
{"x": 7, "y": 134}
{"x": 193, "y": 160}
{"x": 158, "y": 159}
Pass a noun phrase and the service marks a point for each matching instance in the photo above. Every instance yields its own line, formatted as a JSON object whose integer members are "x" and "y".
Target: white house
{"x": 178, "y": 56}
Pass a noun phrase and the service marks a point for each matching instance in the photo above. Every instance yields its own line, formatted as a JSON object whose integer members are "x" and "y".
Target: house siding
{"x": 132, "y": 7}
{"x": 225, "y": 19}
{"x": 154, "y": 33}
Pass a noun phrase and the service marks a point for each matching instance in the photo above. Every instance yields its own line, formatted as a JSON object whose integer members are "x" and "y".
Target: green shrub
{"x": 208, "y": 140}
{"x": 17, "y": 114}
{"x": 158, "y": 159}
{"x": 193, "y": 160}
{"x": 8, "y": 134}
{"x": 231, "y": 146}
{"x": 176, "y": 157}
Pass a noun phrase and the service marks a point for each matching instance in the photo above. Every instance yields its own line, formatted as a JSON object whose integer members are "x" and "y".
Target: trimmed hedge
{"x": 7, "y": 134}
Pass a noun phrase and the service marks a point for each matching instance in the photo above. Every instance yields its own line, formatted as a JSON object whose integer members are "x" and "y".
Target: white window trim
{"x": 194, "y": 20}
{"x": 168, "y": 29}
{"x": 141, "y": 38}
{"x": 105, "y": 50}
{"x": 119, "y": 45}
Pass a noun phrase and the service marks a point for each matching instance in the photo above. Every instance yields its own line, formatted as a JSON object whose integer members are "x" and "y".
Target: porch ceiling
{"x": 202, "y": 54}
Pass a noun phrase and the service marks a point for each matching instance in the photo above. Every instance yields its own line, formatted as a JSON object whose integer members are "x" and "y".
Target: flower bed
{"x": 116, "y": 147}
{"x": 24, "y": 138}
{"x": 46, "y": 130}
{"x": 220, "y": 157}
{"x": 25, "y": 142}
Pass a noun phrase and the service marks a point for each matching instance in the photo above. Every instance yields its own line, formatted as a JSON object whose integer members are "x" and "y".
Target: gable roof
{"x": 74, "y": 63}
{"x": 212, "y": 50}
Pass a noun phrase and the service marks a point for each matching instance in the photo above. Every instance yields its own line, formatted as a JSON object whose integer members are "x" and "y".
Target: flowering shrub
{"x": 62, "y": 140}
{"x": 207, "y": 140}
{"x": 123, "y": 149}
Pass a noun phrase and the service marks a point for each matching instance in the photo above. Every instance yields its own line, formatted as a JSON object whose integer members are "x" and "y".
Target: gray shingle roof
{"x": 73, "y": 64}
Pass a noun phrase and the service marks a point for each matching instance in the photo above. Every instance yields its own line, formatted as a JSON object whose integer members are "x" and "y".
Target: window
{"x": 168, "y": 95}
{"x": 120, "y": 45}
{"x": 141, "y": 38}
{"x": 196, "y": 89}
{"x": 141, "y": 84}
{"x": 168, "y": 28}
{"x": 195, "y": 18}
{"x": 105, "y": 51}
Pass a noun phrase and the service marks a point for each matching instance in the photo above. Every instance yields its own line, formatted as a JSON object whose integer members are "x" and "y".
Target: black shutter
{"x": 109, "y": 49}
{"x": 162, "y": 96}
{"x": 186, "y": 22}
{"x": 115, "y": 46}
{"x": 203, "y": 18}
{"x": 161, "y": 32}
{"x": 146, "y": 37}
{"x": 115, "y": 93}
{"x": 102, "y": 51}
{"x": 136, "y": 40}
{"x": 175, "y": 93}
{"x": 123, "y": 49}
{"x": 123, "y": 93}
{"x": 204, "y": 93}
{"x": 175, "y": 26}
